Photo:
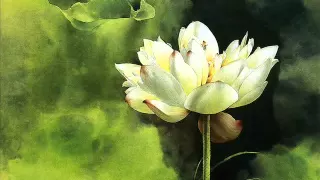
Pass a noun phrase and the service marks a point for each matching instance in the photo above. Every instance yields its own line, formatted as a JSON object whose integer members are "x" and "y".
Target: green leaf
{"x": 146, "y": 11}
{"x": 90, "y": 15}
{"x": 299, "y": 163}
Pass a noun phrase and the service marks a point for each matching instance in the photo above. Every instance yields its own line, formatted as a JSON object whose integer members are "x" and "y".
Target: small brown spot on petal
{"x": 189, "y": 53}
{"x": 174, "y": 53}
{"x": 239, "y": 124}
{"x": 127, "y": 100}
{"x": 146, "y": 101}
{"x": 204, "y": 45}
{"x": 142, "y": 69}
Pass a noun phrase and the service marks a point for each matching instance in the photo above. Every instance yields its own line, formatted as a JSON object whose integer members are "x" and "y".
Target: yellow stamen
{"x": 211, "y": 71}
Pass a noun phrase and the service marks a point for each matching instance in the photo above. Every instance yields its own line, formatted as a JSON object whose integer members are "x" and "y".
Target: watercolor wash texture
{"x": 59, "y": 90}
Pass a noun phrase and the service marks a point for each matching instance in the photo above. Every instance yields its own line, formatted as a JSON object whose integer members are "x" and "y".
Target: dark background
{"x": 269, "y": 22}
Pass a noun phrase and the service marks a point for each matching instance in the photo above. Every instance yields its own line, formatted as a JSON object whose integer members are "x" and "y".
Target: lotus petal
{"x": 162, "y": 84}
{"x": 241, "y": 77}
{"x": 183, "y": 72}
{"x": 198, "y": 62}
{"x": 203, "y": 34}
{"x": 129, "y": 71}
{"x": 181, "y": 37}
{"x": 261, "y": 55}
{"x": 255, "y": 78}
{"x": 135, "y": 98}
{"x": 232, "y": 46}
{"x": 147, "y": 45}
{"x": 244, "y": 40}
{"x": 166, "y": 112}
{"x": 245, "y": 51}
{"x": 157, "y": 51}
{"x": 229, "y": 73}
{"x": 127, "y": 84}
{"x": 232, "y": 52}
{"x": 144, "y": 58}
{"x": 162, "y": 53}
{"x": 211, "y": 98}
{"x": 250, "y": 96}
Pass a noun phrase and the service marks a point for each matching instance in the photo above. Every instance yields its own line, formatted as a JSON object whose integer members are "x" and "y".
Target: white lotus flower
{"x": 170, "y": 83}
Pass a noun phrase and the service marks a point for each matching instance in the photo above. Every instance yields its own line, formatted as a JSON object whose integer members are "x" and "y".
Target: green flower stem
{"x": 206, "y": 148}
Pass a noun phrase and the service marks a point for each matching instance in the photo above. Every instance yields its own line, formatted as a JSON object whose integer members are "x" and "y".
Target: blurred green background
{"x": 62, "y": 110}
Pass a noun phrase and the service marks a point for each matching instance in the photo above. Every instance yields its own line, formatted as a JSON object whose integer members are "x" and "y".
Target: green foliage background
{"x": 62, "y": 109}
{"x": 301, "y": 162}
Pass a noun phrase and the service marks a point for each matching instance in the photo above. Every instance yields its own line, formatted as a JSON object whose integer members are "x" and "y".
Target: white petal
{"x": 229, "y": 73}
{"x": 200, "y": 66}
{"x": 261, "y": 55}
{"x": 159, "y": 39}
{"x": 129, "y": 71}
{"x": 218, "y": 62}
{"x": 197, "y": 63}
{"x": 162, "y": 52}
{"x": 258, "y": 49}
{"x": 181, "y": 35}
{"x": 135, "y": 98}
{"x": 203, "y": 34}
{"x": 166, "y": 112}
{"x": 211, "y": 98}
{"x": 205, "y": 72}
{"x": 147, "y": 45}
{"x": 232, "y": 46}
{"x": 143, "y": 57}
{"x": 244, "y": 40}
{"x": 183, "y": 72}
{"x": 185, "y": 36}
{"x": 184, "y": 53}
{"x": 127, "y": 84}
{"x": 195, "y": 46}
{"x": 242, "y": 76}
{"x": 163, "y": 85}
{"x": 250, "y": 96}
{"x": 232, "y": 52}
{"x": 245, "y": 52}
{"x": 250, "y": 45}
{"x": 129, "y": 89}
{"x": 210, "y": 52}
{"x": 223, "y": 55}
{"x": 255, "y": 78}
{"x": 232, "y": 56}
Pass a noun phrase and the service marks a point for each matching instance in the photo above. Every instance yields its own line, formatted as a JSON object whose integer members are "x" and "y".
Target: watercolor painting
{"x": 160, "y": 90}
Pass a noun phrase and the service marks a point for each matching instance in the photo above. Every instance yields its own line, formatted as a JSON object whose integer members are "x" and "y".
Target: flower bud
{"x": 223, "y": 127}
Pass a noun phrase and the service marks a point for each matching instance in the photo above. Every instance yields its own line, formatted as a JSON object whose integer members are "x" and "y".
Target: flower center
{"x": 214, "y": 66}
